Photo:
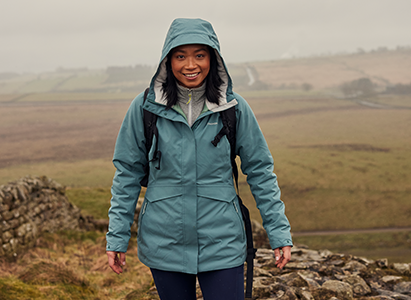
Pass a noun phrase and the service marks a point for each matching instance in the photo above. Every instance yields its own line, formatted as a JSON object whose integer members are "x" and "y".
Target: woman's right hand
{"x": 116, "y": 261}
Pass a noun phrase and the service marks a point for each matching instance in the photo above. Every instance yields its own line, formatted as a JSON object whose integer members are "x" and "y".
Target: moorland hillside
{"x": 382, "y": 67}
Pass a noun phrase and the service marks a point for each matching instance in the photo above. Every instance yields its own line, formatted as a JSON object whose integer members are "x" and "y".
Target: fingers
{"x": 115, "y": 262}
{"x": 282, "y": 260}
{"x": 122, "y": 258}
{"x": 277, "y": 254}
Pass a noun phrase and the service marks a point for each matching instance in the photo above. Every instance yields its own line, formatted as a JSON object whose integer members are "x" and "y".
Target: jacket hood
{"x": 192, "y": 31}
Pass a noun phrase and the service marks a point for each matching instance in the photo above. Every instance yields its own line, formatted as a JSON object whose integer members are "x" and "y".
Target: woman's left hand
{"x": 282, "y": 259}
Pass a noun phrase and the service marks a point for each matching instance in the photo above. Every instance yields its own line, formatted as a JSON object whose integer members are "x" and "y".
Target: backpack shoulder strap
{"x": 229, "y": 129}
{"x": 150, "y": 130}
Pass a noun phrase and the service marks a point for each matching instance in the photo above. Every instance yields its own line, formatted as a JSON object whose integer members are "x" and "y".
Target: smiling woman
{"x": 190, "y": 64}
{"x": 190, "y": 225}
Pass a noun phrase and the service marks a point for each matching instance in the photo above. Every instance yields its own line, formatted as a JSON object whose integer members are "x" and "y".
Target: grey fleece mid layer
{"x": 191, "y": 102}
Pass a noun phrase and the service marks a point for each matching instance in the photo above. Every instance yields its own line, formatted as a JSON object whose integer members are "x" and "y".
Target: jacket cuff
{"x": 280, "y": 243}
{"x": 117, "y": 248}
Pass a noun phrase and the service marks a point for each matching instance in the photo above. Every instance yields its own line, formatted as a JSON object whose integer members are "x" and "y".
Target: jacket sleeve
{"x": 129, "y": 160}
{"x": 257, "y": 163}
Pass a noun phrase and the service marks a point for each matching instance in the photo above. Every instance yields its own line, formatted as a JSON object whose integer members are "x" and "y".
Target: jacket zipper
{"x": 144, "y": 208}
{"x": 235, "y": 206}
{"x": 189, "y": 117}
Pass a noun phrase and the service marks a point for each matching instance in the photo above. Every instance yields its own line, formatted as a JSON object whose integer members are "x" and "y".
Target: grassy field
{"x": 335, "y": 159}
{"x": 340, "y": 165}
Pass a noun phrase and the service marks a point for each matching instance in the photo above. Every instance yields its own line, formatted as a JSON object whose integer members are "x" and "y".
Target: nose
{"x": 190, "y": 63}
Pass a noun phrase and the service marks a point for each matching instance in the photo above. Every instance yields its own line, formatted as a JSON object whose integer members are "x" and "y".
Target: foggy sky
{"x": 41, "y": 35}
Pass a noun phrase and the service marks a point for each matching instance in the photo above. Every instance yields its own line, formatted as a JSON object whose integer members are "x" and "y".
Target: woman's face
{"x": 190, "y": 64}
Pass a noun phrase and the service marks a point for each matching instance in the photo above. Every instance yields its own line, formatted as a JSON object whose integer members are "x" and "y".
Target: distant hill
{"x": 382, "y": 67}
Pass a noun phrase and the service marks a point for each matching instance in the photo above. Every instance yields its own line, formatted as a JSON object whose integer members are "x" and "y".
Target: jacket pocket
{"x": 161, "y": 222}
{"x": 159, "y": 193}
{"x": 225, "y": 193}
{"x": 219, "y": 216}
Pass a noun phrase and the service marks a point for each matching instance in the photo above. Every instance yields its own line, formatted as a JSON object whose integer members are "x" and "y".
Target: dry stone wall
{"x": 31, "y": 205}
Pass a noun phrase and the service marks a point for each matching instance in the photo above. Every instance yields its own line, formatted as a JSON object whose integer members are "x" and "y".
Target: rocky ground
{"x": 313, "y": 274}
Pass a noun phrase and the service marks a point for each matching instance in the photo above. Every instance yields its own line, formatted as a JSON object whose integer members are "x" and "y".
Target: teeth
{"x": 191, "y": 75}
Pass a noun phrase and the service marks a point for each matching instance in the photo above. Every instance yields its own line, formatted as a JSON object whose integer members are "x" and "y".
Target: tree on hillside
{"x": 358, "y": 87}
{"x": 399, "y": 89}
{"x": 306, "y": 87}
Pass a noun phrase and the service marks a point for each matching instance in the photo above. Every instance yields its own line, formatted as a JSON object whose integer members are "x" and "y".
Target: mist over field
{"x": 329, "y": 82}
{"x": 42, "y": 35}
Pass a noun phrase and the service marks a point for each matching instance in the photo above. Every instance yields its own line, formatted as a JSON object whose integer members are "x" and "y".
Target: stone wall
{"x": 29, "y": 206}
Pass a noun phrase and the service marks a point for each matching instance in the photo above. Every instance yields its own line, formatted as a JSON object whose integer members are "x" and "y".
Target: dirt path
{"x": 351, "y": 231}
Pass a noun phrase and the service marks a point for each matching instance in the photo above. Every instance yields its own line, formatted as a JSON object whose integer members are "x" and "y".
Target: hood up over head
{"x": 193, "y": 31}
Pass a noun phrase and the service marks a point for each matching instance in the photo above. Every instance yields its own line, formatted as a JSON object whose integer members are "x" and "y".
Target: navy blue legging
{"x": 226, "y": 284}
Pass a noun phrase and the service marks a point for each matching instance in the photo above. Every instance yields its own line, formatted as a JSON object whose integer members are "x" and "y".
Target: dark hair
{"x": 213, "y": 81}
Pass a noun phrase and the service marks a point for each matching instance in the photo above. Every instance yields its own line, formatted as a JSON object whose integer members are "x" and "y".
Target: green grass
{"x": 73, "y": 265}
{"x": 396, "y": 246}
{"x": 14, "y": 289}
{"x": 340, "y": 166}
{"x": 91, "y": 201}
{"x": 83, "y": 173}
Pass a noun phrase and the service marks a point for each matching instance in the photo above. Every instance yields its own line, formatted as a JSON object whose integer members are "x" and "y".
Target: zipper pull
{"x": 189, "y": 96}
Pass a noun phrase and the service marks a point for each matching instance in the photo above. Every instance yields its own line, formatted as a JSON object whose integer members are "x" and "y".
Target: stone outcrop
{"x": 313, "y": 274}
{"x": 30, "y": 206}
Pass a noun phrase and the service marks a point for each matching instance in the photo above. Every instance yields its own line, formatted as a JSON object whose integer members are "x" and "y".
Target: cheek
{"x": 206, "y": 68}
{"x": 174, "y": 65}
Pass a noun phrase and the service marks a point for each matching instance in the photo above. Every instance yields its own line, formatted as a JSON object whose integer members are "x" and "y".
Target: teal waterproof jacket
{"x": 190, "y": 220}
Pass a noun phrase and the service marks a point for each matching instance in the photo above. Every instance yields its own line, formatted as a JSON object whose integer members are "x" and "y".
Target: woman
{"x": 190, "y": 224}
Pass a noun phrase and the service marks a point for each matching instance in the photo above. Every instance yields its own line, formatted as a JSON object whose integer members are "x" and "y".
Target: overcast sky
{"x": 41, "y": 35}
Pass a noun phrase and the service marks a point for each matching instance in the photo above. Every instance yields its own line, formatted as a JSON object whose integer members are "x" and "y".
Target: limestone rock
{"x": 359, "y": 286}
{"x": 344, "y": 290}
{"x": 354, "y": 266}
{"x": 391, "y": 279}
{"x": 282, "y": 291}
{"x": 304, "y": 294}
{"x": 403, "y": 288}
{"x": 261, "y": 288}
{"x": 293, "y": 279}
{"x": 393, "y": 295}
{"x": 402, "y": 268}
{"x": 323, "y": 294}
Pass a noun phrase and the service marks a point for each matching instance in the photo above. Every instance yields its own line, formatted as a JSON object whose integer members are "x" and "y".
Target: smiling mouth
{"x": 191, "y": 75}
